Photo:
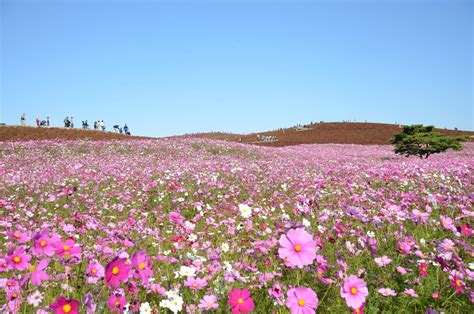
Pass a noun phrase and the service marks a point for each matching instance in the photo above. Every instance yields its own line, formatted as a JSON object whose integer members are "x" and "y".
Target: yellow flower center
{"x": 43, "y": 243}
{"x": 297, "y": 248}
{"x": 14, "y": 295}
{"x": 67, "y": 308}
{"x": 240, "y": 301}
{"x": 142, "y": 266}
{"x": 300, "y": 302}
{"x": 17, "y": 235}
{"x": 353, "y": 290}
{"x": 195, "y": 284}
{"x": 32, "y": 267}
{"x": 115, "y": 270}
{"x": 66, "y": 248}
{"x": 17, "y": 259}
{"x": 458, "y": 283}
{"x": 117, "y": 304}
{"x": 94, "y": 271}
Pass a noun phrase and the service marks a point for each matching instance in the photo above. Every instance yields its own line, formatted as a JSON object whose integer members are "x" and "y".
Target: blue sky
{"x": 174, "y": 67}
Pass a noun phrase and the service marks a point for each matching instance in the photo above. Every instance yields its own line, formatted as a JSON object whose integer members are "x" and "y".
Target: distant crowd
{"x": 69, "y": 123}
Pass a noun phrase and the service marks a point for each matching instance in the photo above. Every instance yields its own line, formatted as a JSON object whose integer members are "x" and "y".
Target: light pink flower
{"x": 383, "y": 261}
{"x": 208, "y": 302}
{"x": 354, "y": 290}
{"x": 302, "y": 301}
{"x": 297, "y": 248}
{"x": 195, "y": 283}
{"x": 386, "y": 292}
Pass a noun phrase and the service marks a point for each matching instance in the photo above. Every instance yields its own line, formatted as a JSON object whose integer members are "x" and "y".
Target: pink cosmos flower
{"x": 19, "y": 236}
{"x": 423, "y": 267}
{"x": 447, "y": 223}
{"x": 116, "y": 271}
{"x": 195, "y": 283}
{"x": 65, "y": 306}
{"x": 38, "y": 274}
{"x": 410, "y": 292}
{"x": 240, "y": 301}
{"x": 386, "y": 292}
{"x": 297, "y": 247}
{"x": 141, "y": 262}
{"x": 208, "y": 302}
{"x": 18, "y": 259}
{"x": 43, "y": 244}
{"x": 116, "y": 303}
{"x": 95, "y": 270}
{"x": 383, "y": 261}
{"x": 418, "y": 215}
{"x": 456, "y": 281}
{"x": 466, "y": 229}
{"x": 4, "y": 266}
{"x": 354, "y": 290}
{"x": 401, "y": 270}
{"x": 68, "y": 248}
{"x": 302, "y": 301}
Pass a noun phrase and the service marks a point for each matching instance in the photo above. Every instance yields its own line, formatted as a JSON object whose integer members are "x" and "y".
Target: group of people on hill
{"x": 99, "y": 125}
{"x": 39, "y": 122}
{"x": 69, "y": 123}
{"x": 42, "y": 122}
{"x": 119, "y": 129}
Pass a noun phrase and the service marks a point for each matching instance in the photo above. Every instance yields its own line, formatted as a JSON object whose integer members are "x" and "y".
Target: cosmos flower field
{"x": 193, "y": 226}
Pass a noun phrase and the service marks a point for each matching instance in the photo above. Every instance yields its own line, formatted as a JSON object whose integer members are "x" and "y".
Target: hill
{"x": 18, "y": 133}
{"x": 322, "y": 133}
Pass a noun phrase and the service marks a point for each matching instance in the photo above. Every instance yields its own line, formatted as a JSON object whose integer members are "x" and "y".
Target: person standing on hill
{"x": 37, "y": 121}
{"x": 23, "y": 119}
{"x": 47, "y": 121}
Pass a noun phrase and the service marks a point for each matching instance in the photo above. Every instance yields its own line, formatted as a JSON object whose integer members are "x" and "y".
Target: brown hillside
{"x": 18, "y": 133}
{"x": 325, "y": 133}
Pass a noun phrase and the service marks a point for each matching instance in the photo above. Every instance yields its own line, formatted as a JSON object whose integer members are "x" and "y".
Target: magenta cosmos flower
{"x": 63, "y": 305}
{"x": 116, "y": 271}
{"x": 302, "y": 301}
{"x": 18, "y": 259}
{"x": 354, "y": 290}
{"x": 240, "y": 301}
{"x": 116, "y": 303}
{"x": 297, "y": 247}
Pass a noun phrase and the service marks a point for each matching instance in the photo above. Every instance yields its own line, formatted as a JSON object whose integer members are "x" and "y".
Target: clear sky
{"x": 174, "y": 67}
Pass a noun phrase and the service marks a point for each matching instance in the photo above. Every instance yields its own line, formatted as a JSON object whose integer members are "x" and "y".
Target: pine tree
{"x": 419, "y": 140}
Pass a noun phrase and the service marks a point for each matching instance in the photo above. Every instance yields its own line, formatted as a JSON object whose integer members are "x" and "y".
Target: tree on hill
{"x": 419, "y": 140}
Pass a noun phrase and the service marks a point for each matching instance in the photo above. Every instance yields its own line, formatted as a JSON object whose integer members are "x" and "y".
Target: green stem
{"x": 325, "y": 293}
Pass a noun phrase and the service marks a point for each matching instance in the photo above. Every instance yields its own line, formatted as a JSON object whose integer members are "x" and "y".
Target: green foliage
{"x": 419, "y": 140}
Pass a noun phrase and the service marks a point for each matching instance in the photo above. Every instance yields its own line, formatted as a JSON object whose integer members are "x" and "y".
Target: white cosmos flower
{"x": 306, "y": 223}
{"x": 186, "y": 271}
{"x": 225, "y": 247}
{"x": 245, "y": 210}
{"x": 145, "y": 308}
